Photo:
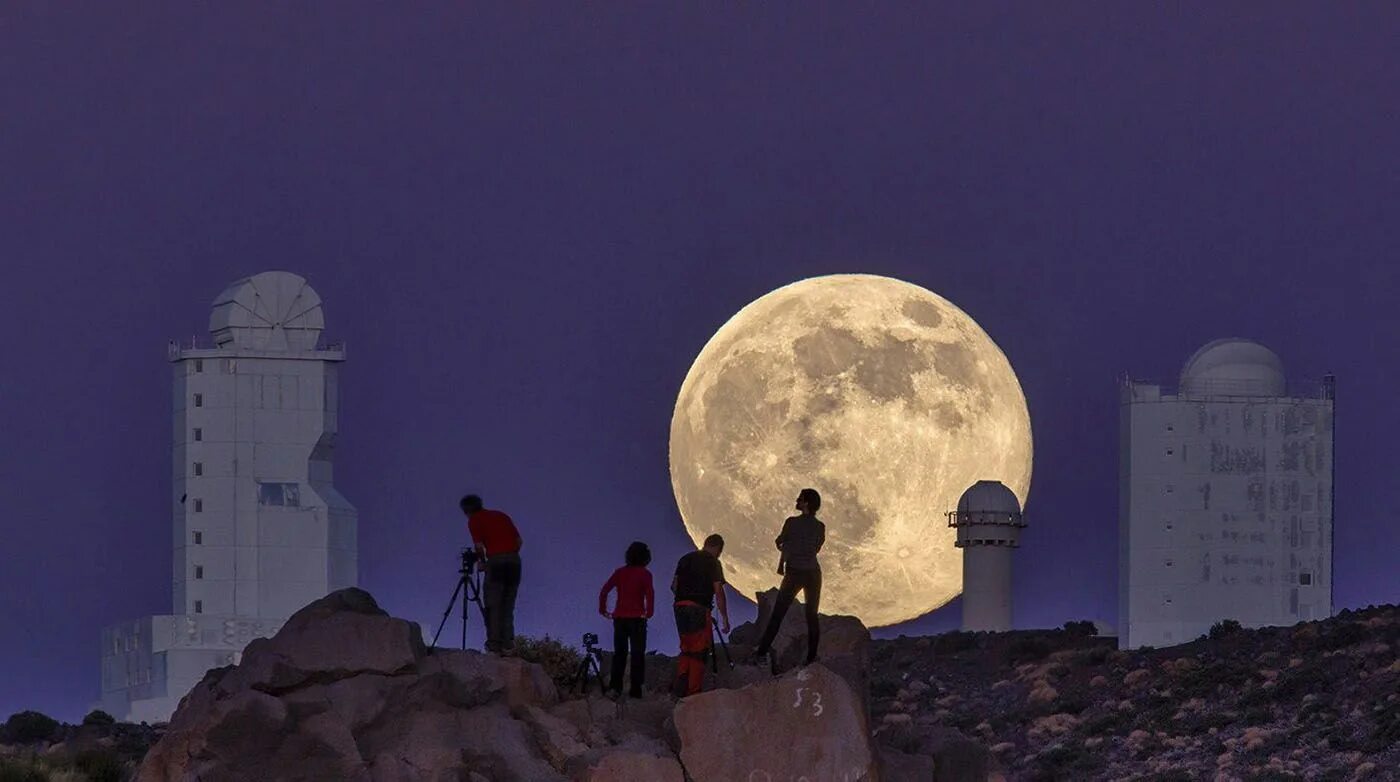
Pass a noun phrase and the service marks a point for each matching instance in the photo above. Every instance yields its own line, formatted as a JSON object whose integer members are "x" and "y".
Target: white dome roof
{"x": 268, "y": 311}
{"x": 1233, "y": 367}
{"x": 989, "y": 497}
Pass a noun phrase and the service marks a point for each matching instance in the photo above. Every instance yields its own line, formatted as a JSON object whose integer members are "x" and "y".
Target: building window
{"x": 1169, "y": 526}
{"x": 198, "y": 538}
{"x": 199, "y": 468}
{"x": 1169, "y": 563}
{"x": 1305, "y": 579}
{"x": 1170, "y": 452}
{"x": 198, "y": 572}
{"x": 198, "y": 434}
{"x": 1171, "y": 428}
{"x": 199, "y": 365}
{"x": 199, "y": 506}
{"x": 279, "y": 494}
{"x": 199, "y": 400}
{"x": 1170, "y": 488}
{"x": 199, "y": 606}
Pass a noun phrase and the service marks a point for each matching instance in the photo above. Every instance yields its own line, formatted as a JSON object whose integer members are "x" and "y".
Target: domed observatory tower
{"x": 989, "y": 523}
{"x": 1225, "y": 498}
{"x": 259, "y": 529}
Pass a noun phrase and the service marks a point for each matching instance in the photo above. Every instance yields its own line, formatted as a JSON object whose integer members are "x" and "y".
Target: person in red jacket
{"x": 498, "y": 545}
{"x": 635, "y": 603}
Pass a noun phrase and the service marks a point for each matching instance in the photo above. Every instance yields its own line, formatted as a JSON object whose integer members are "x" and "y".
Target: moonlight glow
{"x": 883, "y": 396}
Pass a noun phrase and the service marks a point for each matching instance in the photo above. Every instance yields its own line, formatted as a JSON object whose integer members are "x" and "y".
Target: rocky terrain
{"x": 1316, "y": 701}
{"x": 346, "y": 692}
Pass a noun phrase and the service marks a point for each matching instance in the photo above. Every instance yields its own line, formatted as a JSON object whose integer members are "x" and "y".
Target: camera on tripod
{"x": 469, "y": 560}
{"x": 469, "y": 587}
{"x": 590, "y": 640}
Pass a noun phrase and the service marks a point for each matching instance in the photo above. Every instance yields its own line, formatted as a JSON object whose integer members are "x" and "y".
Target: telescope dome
{"x": 989, "y": 497}
{"x": 1233, "y": 367}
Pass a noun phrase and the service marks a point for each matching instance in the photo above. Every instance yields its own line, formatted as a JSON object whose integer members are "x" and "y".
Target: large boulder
{"x": 346, "y": 692}
{"x": 341, "y": 635}
{"x": 807, "y": 723}
{"x": 844, "y": 646}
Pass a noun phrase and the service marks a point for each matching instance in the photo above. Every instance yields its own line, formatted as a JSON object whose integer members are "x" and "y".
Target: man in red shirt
{"x": 497, "y": 544}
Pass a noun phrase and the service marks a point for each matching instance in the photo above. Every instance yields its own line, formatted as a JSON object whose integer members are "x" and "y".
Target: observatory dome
{"x": 988, "y": 497}
{"x": 1233, "y": 367}
{"x": 268, "y": 311}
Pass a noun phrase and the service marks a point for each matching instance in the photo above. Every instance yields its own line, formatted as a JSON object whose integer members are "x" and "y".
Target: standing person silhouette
{"x": 697, "y": 585}
{"x": 801, "y": 538}
{"x": 497, "y": 544}
{"x": 635, "y": 603}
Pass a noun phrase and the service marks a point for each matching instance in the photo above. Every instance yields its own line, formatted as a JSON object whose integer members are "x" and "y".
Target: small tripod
{"x": 469, "y": 586}
{"x": 588, "y": 667}
{"x": 714, "y": 656}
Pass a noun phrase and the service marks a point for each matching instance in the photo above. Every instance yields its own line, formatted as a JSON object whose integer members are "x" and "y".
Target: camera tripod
{"x": 469, "y": 586}
{"x": 588, "y": 668}
{"x": 714, "y": 655}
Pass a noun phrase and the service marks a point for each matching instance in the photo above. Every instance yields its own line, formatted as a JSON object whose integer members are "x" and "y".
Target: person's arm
{"x": 720, "y": 601}
{"x": 821, "y": 535}
{"x": 649, "y": 597}
{"x": 473, "y": 529}
{"x": 603, "y": 595}
{"x": 723, "y": 606}
{"x": 782, "y": 535}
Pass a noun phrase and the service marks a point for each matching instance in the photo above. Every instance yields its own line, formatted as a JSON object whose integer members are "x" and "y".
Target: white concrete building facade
{"x": 1225, "y": 499}
{"x": 259, "y": 529}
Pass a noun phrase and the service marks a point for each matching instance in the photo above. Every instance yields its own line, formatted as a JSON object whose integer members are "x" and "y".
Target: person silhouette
{"x": 799, "y": 541}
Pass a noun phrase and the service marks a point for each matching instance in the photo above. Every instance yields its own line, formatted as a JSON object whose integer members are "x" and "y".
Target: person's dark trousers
{"x": 633, "y": 633}
{"x": 498, "y": 598}
{"x": 809, "y": 582}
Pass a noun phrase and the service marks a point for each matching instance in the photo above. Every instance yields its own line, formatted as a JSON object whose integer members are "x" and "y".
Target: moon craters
{"x": 878, "y": 393}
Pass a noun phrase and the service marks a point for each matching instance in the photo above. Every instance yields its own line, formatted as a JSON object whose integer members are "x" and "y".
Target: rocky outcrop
{"x": 844, "y": 647}
{"x": 346, "y": 692}
{"x": 808, "y": 723}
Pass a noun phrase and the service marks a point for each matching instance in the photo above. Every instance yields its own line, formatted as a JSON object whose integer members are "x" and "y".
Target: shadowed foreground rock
{"x": 845, "y": 642}
{"x": 346, "y": 692}
{"x": 806, "y": 724}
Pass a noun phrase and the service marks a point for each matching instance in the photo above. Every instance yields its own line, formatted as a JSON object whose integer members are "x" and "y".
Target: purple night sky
{"x": 526, "y": 223}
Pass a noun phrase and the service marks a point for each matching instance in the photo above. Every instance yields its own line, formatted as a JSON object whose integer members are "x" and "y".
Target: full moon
{"x": 881, "y": 395}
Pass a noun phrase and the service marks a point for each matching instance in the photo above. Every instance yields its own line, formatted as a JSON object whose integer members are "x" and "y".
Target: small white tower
{"x": 989, "y": 523}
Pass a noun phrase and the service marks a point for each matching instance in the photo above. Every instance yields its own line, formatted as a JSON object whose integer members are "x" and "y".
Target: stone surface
{"x": 896, "y": 766}
{"x": 341, "y": 635}
{"x": 844, "y": 645}
{"x": 621, "y": 765}
{"x": 812, "y": 725}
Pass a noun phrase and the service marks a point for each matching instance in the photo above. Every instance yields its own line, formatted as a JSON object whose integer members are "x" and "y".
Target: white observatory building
{"x": 259, "y": 529}
{"x": 989, "y": 523}
{"x": 1225, "y": 499}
